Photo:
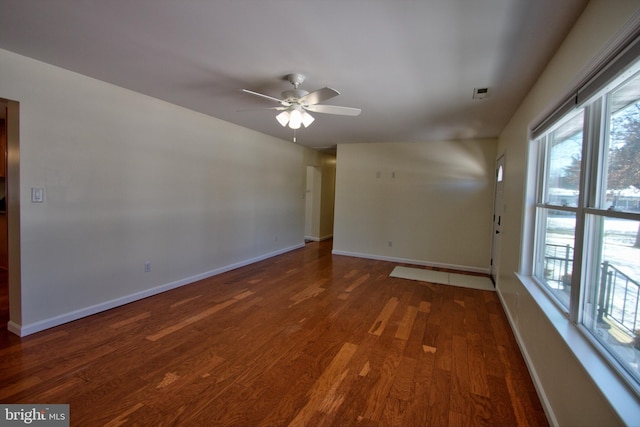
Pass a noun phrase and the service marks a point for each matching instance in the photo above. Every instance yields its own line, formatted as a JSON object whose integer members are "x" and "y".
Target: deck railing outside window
{"x": 619, "y": 294}
{"x": 618, "y": 298}
{"x": 558, "y": 264}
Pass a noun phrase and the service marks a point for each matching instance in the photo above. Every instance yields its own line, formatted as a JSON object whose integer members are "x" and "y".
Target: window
{"x": 587, "y": 218}
{"x": 561, "y": 150}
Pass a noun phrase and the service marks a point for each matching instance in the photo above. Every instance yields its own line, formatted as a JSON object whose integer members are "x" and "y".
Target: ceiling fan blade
{"x": 334, "y": 109}
{"x": 262, "y": 109}
{"x": 319, "y": 96}
{"x": 262, "y": 95}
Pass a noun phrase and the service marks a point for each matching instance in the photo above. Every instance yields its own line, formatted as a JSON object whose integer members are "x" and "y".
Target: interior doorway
{"x": 11, "y": 291}
{"x": 312, "y": 204}
{"x": 497, "y": 219}
{"x": 4, "y": 246}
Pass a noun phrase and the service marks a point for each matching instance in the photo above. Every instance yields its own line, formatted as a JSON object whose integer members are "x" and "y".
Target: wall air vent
{"x": 480, "y": 93}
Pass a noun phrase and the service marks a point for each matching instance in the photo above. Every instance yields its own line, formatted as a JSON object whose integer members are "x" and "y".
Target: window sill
{"x": 616, "y": 391}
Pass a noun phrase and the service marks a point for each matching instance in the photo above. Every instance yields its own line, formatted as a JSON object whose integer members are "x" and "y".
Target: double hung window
{"x": 587, "y": 218}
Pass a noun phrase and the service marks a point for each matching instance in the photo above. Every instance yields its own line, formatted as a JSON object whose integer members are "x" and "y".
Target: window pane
{"x": 623, "y": 159}
{"x": 555, "y": 255}
{"x": 612, "y": 288}
{"x": 564, "y": 152}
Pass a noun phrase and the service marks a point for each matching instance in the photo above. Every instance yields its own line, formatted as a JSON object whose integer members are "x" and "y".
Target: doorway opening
{"x": 312, "y": 204}
{"x": 4, "y": 266}
{"x": 10, "y": 286}
{"x": 319, "y": 195}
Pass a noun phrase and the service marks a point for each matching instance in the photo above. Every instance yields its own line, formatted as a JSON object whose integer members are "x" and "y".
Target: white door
{"x": 497, "y": 219}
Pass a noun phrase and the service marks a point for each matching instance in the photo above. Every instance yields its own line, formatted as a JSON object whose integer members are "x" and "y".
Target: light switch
{"x": 37, "y": 195}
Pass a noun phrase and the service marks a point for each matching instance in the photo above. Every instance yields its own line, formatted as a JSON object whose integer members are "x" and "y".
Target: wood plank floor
{"x": 303, "y": 339}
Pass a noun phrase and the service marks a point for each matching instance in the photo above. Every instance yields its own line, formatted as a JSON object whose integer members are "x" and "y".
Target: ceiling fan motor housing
{"x": 295, "y": 79}
{"x": 293, "y": 95}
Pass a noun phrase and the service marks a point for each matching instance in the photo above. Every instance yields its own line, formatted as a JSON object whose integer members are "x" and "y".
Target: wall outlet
{"x": 147, "y": 267}
{"x": 390, "y": 244}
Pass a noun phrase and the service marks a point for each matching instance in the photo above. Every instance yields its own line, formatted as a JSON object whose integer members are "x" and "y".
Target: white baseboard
{"x": 318, "y": 239}
{"x": 544, "y": 400}
{"x": 14, "y": 328}
{"x": 413, "y": 262}
{"x": 32, "y": 328}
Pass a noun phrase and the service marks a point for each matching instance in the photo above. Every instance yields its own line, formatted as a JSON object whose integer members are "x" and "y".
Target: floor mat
{"x": 443, "y": 278}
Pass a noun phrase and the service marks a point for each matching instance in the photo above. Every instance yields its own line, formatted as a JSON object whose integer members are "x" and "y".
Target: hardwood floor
{"x": 303, "y": 339}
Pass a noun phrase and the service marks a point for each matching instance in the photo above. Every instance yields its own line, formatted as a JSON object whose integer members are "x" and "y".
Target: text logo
{"x": 36, "y": 415}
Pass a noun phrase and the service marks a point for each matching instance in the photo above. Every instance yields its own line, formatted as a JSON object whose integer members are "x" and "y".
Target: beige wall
{"x": 571, "y": 396}
{"x": 130, "y": 179}
{"x": 431, "y": 200}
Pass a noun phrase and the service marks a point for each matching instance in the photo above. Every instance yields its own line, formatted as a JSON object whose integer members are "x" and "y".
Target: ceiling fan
{"x": 295, "y": 104}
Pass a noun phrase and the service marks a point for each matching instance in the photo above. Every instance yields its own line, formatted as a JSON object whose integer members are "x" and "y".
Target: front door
{"x": 497, "y": 220}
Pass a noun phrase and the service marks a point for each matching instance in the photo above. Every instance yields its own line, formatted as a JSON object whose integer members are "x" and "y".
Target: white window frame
{"x": 593, "y": 167}
{"x": 621, "y": 390}
{"x": 541, "y": 203}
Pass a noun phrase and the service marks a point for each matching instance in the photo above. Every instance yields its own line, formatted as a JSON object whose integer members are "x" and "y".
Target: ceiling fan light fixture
{"x": 283, "y": 118}
{"x": 307, "y": 119}
{"x": 295, "y": 119}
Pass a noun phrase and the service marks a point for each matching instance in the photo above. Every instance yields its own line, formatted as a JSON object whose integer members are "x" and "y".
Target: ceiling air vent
{"x": 480, "y": 93}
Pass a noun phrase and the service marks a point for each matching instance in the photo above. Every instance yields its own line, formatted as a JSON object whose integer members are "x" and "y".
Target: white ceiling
{"x": 410, "y": 65}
